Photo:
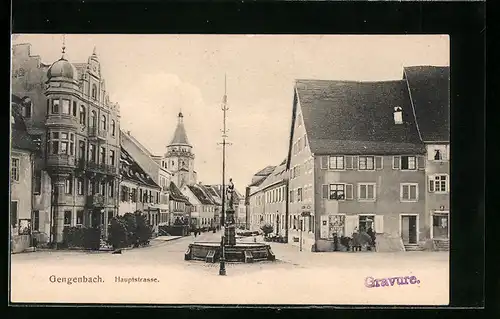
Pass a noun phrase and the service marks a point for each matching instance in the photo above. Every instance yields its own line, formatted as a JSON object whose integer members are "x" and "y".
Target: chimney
{"x": 398, "y": 115}
{"x": 128, "y": 132}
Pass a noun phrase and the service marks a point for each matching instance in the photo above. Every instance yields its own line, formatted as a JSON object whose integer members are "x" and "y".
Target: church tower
{"x": 180, "y": 157}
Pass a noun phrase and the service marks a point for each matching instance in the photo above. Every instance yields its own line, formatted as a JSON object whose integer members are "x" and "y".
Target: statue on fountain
{"x": 230, "y": 194}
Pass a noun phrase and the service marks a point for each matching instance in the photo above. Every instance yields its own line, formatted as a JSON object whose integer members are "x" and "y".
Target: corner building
{"x": 82, "y": 146}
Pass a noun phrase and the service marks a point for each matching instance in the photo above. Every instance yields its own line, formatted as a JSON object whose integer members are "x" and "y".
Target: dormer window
{"x": 398, "y": 115}
{"x": 437, "y": 155}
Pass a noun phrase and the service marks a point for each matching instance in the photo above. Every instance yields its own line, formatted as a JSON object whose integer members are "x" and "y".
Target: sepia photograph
{"x": 230, "y": 169}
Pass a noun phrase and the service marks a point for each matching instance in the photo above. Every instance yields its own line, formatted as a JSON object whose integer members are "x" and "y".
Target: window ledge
{"x": 409, "y": 201}
{"x": 439, "y": 193}
{"x": 367, "y": 200}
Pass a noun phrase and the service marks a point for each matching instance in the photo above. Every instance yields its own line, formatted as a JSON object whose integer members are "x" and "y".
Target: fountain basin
{"x": 240, "y": 252}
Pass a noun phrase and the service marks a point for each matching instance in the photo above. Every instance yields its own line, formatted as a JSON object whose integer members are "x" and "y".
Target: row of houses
{"x": 362, "y": 155}
{"x": 73, "y": 165}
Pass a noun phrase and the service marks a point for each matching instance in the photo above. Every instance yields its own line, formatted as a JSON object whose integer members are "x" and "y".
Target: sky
{"x": 153, "y": 77}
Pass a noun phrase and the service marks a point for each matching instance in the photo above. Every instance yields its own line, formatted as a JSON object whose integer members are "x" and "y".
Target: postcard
{"x": 230, "y": 169}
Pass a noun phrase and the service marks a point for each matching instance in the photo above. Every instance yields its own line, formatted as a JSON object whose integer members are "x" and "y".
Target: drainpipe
{"x": 286, "y": 211}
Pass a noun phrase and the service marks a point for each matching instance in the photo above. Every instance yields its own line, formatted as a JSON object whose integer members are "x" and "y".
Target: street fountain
{"x": 228, "y": 249}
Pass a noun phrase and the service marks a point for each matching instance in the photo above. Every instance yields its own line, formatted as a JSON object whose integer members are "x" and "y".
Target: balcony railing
{"x": 60, "y": 160}
{"x": 95, "y": 200}
{"x": 94, "y": 132}
{"x": 62, "y": 120}
{"x": 99, "y": 168}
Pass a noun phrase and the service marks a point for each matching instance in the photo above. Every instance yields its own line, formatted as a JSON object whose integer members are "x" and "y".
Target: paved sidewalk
{"x": 166, "y": 238}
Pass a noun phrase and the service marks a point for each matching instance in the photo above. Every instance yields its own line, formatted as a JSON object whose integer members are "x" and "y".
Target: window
{"x": 80, "y": 185}
{"x": 79, "y": 217}
{"x": 92, "y": 153}
{"x": 83, "y": 115}
{"x": 26, "y": 107}
{"x": 111, "y": 189}
{"x": 55, "y": 106}
{"x": 93, "y": 119}
{"x": 366, "y": 163}
{"x": 336, "y": 162}
{"x": 94, "y": 91}
{"x": 367, "y": 191}
{"x": 366, "y": 222}
{"x": 37, "y": 184}
{"x": 112, "y": 157}
{"x": 103, "y": 155}
{"x": 48, "y": 106}
{"x": 409, "y": 192}
{"x": 75, "y": 108}
{"x": 36, "y": 220}
{"x": 337, "y": 191}
{"x": 65, "y": 107}
{"x": 291, "y": 196}
{"x": 134, "y": 195}
{"x": 102, "y": 188}
{"x": 81, "y": 150}
{"x": 438, "y": 183}
{"x": 103, "y": 122}
{"x": 14, "y": 169}
{"x": 67, "y": 218}
{"x": 124, "y": 194}
{"x": 408, "y": 163}
{"x": 68, "y": 186}
{"x": 62, "y": 143}
{"x": 113, "y": 127}
{"x": 13, "y": 213}
{"x": 299, "y": 194}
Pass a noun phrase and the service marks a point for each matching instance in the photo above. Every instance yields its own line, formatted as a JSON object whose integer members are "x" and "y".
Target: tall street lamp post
{"x": 222, "y": 266}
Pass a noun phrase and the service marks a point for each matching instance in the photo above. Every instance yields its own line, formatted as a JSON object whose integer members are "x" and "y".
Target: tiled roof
{"x": 131, "y": 170}
{"x": 276, "y": 176}
{"x": 200, "y": 194}
{"x": 258, "y": 182}
{"x": 265, "y": 171}
{"x": 20, "y": 138}
{"x": 357, "y": 117}
{"x": 430, "y": 94}
{"x": 176, "y": 194}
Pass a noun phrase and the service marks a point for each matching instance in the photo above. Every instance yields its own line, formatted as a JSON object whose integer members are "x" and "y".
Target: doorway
{"x": 440, "y": 226}
{"x": 409, "y": 229}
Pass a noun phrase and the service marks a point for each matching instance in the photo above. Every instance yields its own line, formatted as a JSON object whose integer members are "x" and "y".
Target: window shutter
{"x": 348, "y": 162}
{"x": 379, "y": 224}
{"x": 351, "y": 222}
{"x": 325, "y": 191}
{"x": 431, "y": 184}
{"x": 349, "y": 190}
{"x": 396, "y": 162}
{"x": 324, "y": 227}
{"x": 324, "y": 162}
{"x": 413, "y": 192}
{"x": 420, "y": 162}
{"x": 379, "y": 164}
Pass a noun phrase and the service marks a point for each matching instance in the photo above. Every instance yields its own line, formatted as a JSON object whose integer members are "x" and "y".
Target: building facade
{"x": 138, "y": 191}
{"x": 430, "y": 95}
{"x": 203, "y": 210}
{"x": 76, "y": 178}
{"x": 151, "y": 166}
{"x": 22, "y": 154}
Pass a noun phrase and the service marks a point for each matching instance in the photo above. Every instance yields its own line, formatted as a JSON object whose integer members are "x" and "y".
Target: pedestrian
{"x": 371, "y": 233}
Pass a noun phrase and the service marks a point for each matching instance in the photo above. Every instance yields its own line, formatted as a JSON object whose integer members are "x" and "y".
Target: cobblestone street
{"x": 340, "y": 277}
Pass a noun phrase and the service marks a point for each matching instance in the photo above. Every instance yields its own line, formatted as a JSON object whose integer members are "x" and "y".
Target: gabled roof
{"x": 347, "y": 117}
{"x": 212, "y": 192}
{"x": 130, "y": 169}
{"x": 258, "y": 182}
{"x": 200, "y": 194}
{"x": 277, "y": 176}
{"x": 430, "y": 95}
{"x": 176, "y": 194}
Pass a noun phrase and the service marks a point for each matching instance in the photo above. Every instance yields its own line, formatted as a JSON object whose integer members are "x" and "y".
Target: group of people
{"x": 359, "y": 239}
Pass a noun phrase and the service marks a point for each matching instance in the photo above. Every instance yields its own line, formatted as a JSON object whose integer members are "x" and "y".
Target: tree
{"x": 144, "y": 232}
{"x": 118, "y": 233}
{"x": 267, "y": 229}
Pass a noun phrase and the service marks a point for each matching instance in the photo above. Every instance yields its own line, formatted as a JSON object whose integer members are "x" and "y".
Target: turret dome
{"x": 62, "y": 68}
